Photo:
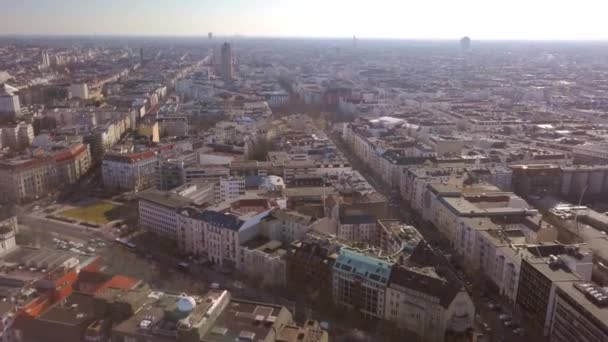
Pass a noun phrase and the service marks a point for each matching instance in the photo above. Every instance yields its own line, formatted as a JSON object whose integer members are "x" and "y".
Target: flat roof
{"x": 164, "y": 198}
{"x": 239, "y": 320}
{"x": 601, "y": 313}
{"x": 75, "y": 310}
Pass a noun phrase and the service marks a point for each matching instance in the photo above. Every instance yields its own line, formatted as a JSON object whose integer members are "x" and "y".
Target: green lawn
{"x": 100, "y": 213}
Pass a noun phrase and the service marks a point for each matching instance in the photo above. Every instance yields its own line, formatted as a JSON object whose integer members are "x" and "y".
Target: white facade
{"x": 365, "y": 231}
{"x": 229, "y": 189}
{"x": 158, "y": 218}
{"x": 129, "y": 174}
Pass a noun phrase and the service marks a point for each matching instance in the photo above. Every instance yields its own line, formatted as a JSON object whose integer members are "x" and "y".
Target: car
{"x": 518, "y": 331}
{"x": 504, "y": 317}
{"x": 510, "y": 324}
{"x": 486, "y": 327}
{"x": 496, "y": 307}
{"x": 491, "y": 305}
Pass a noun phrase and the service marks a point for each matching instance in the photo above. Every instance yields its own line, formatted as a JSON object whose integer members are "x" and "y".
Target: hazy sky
{"x": 450, "y": 19}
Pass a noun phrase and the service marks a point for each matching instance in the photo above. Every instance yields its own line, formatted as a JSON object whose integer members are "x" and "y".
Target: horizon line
{"x": 242, "y": 36}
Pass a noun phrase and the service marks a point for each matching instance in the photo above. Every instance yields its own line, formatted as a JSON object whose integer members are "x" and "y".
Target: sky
{"x": 407, "y": 19}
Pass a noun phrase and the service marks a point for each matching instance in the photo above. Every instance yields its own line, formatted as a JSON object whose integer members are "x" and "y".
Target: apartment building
{"x": 46, "y": 171}
{"x": 421, "y": 301}
{"x": 229, "y": 188}
{"x": 360, "y": 282}
{"x": 17, "y": 136}
{"x": 129, "y": 171}
{"x": 543, "y": 269}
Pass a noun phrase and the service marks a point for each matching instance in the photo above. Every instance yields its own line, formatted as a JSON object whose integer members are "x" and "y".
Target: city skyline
{"x": 438, "y": 19}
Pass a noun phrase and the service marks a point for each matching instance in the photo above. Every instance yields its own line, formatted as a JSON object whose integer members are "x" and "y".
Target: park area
{"x": 98, "y": 213}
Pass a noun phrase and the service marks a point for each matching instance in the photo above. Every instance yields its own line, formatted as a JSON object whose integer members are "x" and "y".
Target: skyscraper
{"x": 227, "y": 62}
{"x": 210, "y": 35}
{"x": 45, "y": 61}
{"x": 465, "y": 43}
{"x": 141, "y": 56}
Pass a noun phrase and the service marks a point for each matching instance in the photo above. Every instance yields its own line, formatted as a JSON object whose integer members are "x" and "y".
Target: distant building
{"x": 9, "y": 102}
{"x": 230, "y": 189}
{"x": 151, "y": 130}
{"x": 465, "y": 44}
{"x": 45, "y": 61}
{"x": 79, "y": 91}
{"x": 17, "y": 136}
{"x": 226, "y": 60}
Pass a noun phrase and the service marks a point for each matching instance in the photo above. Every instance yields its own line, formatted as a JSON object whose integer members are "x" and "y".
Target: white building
{"x": 158, "y": 212}
{"x": 129, "y": 172}
{"x": 229, "y": 189}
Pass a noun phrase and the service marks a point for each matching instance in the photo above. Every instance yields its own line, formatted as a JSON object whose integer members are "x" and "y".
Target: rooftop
{"x": 247, "y": 321}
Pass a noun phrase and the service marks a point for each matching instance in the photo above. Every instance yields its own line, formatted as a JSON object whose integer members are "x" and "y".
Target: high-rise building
{"x": 227, "y": 62}
{"x": 465, "y": 44}
{"x": 9, "y": 101}
{"x": 141, "y": 56}
{"x": 45, "y": 61}
{"x": 210, "y": 35}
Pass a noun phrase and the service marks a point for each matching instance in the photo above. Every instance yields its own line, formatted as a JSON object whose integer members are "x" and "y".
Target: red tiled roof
{"x": 120, "y": 282}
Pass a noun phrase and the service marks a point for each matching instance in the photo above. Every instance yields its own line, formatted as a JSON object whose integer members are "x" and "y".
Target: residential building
{"x": 422, "y": 302}
{"x": 17, "y": 136}
{"x": 230, "y": 188}
{"x": 264, "y": 260}
{"x": 47, "y": 170}
{"x": 542, "y": 270}
{"x": 310, "y": 262}
{"x": 158, "y": 211}
{"x": 360, "y": 282}
{"x": 579, "y": 312}
{"x": 359, "y": 228}
{"x": 129, "y": 171}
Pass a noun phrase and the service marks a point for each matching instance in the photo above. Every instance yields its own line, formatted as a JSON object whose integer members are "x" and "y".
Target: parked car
{"x": 518, "y": 331}
{"x": 504, "y": 317}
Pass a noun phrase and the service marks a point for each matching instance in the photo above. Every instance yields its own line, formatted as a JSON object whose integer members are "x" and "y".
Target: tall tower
{"x": 465, "y": 44}
{"x": 210, "y": 35}
{"x": 141, "y": 56}
{"x": 227, "y": 62}
{"x": 354, "y": 41}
